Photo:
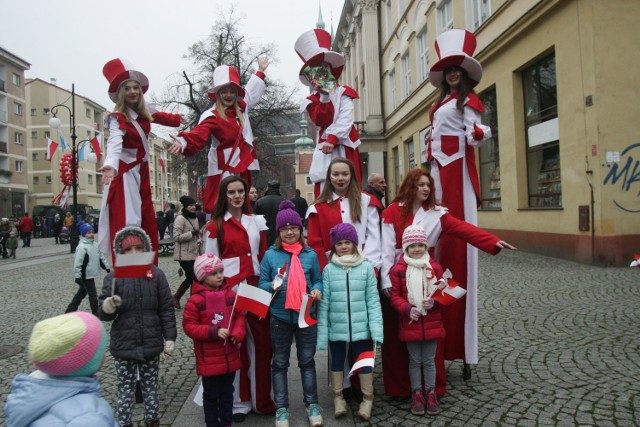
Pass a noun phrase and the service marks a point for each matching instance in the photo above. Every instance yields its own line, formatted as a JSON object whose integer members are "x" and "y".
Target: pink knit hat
{"x": 71, "y": 345}
{"x": 205, "y": 265}
{"x": 414, "y": 234}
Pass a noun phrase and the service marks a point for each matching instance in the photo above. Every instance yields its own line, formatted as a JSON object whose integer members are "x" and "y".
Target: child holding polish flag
{"x": 217, "y": 329}
{"x": 302, "y": 277}
{"x": 414, "y": 280}
{"x": 350, "y": 314}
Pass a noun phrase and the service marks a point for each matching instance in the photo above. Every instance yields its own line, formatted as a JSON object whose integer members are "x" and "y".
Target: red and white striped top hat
{"x": 225, "y": 75}
{"x": 314, "y": 48}
{"x": 455, "y": 47}
{"x": 118, "y": 71}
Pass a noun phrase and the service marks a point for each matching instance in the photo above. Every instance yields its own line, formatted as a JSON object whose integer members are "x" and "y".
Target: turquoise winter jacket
{"x": 273, "y": 260}
{"x": 350, "y": 307}
{"x": 88, "y": 259}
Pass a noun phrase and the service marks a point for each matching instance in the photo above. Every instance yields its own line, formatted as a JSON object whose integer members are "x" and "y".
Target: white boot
{"x": 366, "y": 386}
{"x": 339, "y": 404}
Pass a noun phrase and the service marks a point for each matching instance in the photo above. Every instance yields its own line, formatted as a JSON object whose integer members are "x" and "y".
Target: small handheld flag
{"x": 252, "y": 299}
{"x": 636, "y": 261}
{"x": 304, "y": 318}
{"x": 133, "y": 265}
{"x": 279, "y": 279}
{"x": 449, "y": 293}
{"x": 366, "y": 358}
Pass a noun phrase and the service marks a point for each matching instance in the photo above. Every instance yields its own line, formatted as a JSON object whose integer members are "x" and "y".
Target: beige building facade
{"x": 13, "y": 135}
{"x": 561, "y": 175}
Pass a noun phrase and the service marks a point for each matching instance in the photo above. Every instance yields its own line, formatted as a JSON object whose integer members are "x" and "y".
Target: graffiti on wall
{"x": 625, "y": 175}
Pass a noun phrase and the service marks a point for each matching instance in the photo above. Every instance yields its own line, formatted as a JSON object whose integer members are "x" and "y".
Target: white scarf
{"x": 348, "y": 261}
{"x": 420, "y": 280}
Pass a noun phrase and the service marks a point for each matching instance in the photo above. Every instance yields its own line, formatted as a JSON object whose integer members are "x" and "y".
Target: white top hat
{"x": 225, "y": 75}
{"x": 314, "y": 48}
{"x": 455, "y": 47}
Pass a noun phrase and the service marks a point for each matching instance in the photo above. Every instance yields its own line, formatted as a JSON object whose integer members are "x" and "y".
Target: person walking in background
{"x": 414, "y": 280}
{"x": 268, "y": 205}
{"x": 68, "y": 220}
{"x": 126, "y": 198}
{"x": 26, "y": 228}
{"x": 12, "y": 245}
{"x": 56, "y": 227}
{"x": 301, "y": 205}
{"x": 349, "y": 314}
{"x": 169, "y": 217}
{"x": 302, "y": 277}
{"x": 144, "y": 325}
{"x": 37, "y": 227}
{"x": 253, "y": 197}
{"x": 377, "y": 187}
{"x": 67, "y": 351}
{"x": 162, "y": 226}
{"x": 415, "y": 204}
{"x": 187, "y": 249}
{"x": 217, "y": 332}
{"x": 232, "y": 150}
{"x": 456, "y": 130}
{"x": 341, "y": 201}
{"x": 202, "y": 217}
{"x": 239, "y": 238}
{"x": 87, "y": 263}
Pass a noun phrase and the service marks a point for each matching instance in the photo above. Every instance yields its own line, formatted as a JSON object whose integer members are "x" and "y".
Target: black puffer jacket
{"x": 146, "y": 318}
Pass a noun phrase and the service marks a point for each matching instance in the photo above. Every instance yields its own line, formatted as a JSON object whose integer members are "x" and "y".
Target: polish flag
{"x": 52, "y": 146}
{"x": 636, "y": 261}
{"x": 96, "y": 142}
{"x": 304, "y": 318}
{"x": 365, "y": 359}
{"x": 253, "y": 299}
{"x": 134, "y": 265}
{"x": 164, "y": 170}
{"x": 449, "y": 293}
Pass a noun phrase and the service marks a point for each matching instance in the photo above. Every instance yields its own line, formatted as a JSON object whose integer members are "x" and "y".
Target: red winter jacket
{"x": 206, "y": 311}
{"x": 427, "y": 327}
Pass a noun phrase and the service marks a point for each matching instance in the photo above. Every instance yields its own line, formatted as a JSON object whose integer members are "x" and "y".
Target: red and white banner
{"x": 366, "y": 358}
{"x": 96, "y": 143}
{"x": 52, "y": 146}
{"x": 449, "y": 293}
{"x": 304, "y": 318}
{"x": 134, "y": 265}
{"x": 252, "y": 299}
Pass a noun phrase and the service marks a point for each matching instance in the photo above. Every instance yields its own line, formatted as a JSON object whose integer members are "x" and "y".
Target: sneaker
{"x": 433, "y": 406}
{"x": 417, "y": 403}
{"x": 315, "y": 415}
{"x": 282, "y": 417}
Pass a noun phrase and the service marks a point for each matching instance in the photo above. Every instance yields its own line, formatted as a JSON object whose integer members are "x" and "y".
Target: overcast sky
{"x": 71, "y": 40}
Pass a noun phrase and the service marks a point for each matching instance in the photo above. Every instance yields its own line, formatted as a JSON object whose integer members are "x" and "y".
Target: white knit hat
{"x": 414, "y": 234}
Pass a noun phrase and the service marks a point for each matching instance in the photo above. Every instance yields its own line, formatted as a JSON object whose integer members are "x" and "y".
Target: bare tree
{"x": 226, "y": 45}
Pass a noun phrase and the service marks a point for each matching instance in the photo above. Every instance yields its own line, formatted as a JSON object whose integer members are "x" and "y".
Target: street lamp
{"x": 54, "y": 122}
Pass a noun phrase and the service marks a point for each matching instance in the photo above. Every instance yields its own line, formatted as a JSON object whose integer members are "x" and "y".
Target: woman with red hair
{"x": 415, "y": 205}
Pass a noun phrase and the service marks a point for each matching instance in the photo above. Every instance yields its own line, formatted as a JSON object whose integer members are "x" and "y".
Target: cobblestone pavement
{"x": 559, "y": 344}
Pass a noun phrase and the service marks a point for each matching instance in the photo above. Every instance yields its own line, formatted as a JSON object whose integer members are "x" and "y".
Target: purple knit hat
{"x": 287, "y": 215}
{"x": 343, "y": 232}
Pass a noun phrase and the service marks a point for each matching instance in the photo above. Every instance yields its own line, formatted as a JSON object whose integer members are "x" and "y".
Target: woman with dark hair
{"x": 415, "y": 205}
{"x": 341, "y": 201}
{"x": 239, "y": 239}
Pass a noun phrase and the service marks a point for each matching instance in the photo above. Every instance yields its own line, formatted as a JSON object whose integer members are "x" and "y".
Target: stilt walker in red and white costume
{"x": 415, "y": 205}
{"x": 456, "y": 131}
{"x": 240, "y": 240}
{"x": 330, "y": 106}
{"x": 126, "y": 198}
{"x": 232, "y": 150}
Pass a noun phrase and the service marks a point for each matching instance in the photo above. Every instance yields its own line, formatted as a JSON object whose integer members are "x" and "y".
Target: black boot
{"x": 466, "y": 371}
{"x": 152, "y": 423}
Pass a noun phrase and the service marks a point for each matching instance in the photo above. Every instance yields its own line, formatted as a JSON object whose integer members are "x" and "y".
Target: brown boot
{"x": 366, "y": 385}
{"x": 339, "y": 404}
{"x": 184, "y": 287}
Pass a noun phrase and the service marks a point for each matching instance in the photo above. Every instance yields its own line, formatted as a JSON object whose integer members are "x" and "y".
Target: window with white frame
{"x": 17, "y": 108}
{"x": 18, "y": 138}
{"x": 36, "y": 180}
{"x": 45, "y": 111}
{"x": 34, "y": 112}
{"x": 445, "y": 15}
{"x": 405, "y": 65}
{"x": 16, "y": 79}
{"x": 422, "y": 51}
{"x": 90, "y": 178}
{"x": 87, "y": 112}
{"x": 478, "y": 11}
{"x": 34, "y": 157}
{"x": 388, "y": 19}
{"x": 47, "y": 134}
{"x": 19, "y": 166}
{"x": 47, "y": 179}
{"x": 392, "y": 90}
{"x": 34, "y": 134}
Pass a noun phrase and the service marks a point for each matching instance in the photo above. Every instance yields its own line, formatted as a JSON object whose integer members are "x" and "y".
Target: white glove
{"x": 169, "y": 346}
{"x": 111, "y": 304}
